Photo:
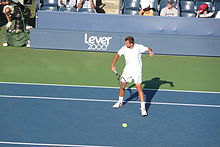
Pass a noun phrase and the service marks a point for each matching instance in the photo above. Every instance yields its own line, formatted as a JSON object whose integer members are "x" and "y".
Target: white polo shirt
{"x": 169, "y": 12}
{"x": 133, "y": 57}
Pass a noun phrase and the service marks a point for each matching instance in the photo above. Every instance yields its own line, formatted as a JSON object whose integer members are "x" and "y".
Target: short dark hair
{"x": 130, "y": 39}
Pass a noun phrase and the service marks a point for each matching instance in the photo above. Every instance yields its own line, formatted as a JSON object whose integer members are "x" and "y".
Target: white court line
{"x": 63, "y": 85}
{"x": 97, "y": 100}
{"x": 43, "y": 144}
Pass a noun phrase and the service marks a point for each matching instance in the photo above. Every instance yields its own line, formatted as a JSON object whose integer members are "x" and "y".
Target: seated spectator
{"x": 86, "y": 4}
{"x": 145, "y": 8}
{"x": 203, "y": 11}
{"x": 169, "y": 10}
{"x": 8, "y": 9}
{"x": 147, "y": 11}
{"x": 67, "y": 3}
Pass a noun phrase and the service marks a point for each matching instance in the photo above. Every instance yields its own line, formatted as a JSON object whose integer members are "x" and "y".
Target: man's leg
{"x": 121, "y": 96}
{"x": 140, "y": 92}
{"x": 122, "y": 89}
{"x": 141, "y": 97}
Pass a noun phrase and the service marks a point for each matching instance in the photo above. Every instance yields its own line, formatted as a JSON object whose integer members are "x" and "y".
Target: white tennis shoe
{"x": 5, "y": 44}
{"x": 143, "y": 112}
{"x": 118, "y": 105}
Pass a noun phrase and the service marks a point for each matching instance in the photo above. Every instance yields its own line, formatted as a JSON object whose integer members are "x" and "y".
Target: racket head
{"x": 121, "y": 80}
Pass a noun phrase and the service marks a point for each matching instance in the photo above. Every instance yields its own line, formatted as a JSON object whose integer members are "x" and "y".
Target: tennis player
{"x": 132, "y": 71}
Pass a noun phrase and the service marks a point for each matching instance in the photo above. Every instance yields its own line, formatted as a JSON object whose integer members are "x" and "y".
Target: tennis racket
{"x": 120, "y": 78}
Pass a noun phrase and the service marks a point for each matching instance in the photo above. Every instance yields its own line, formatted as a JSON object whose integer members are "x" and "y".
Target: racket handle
{"x": 115, "y": 72}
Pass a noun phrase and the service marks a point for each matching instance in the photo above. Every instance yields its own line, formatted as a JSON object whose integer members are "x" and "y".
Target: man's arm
{"x": 92, "y": 4}
{"x": 162, "y": 12}
{"x": 177, "y": 13}
{"x": 115, "y": 59}
{"x": 80, "y": 4}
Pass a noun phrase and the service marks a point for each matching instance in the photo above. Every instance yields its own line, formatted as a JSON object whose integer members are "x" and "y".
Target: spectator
{"x": 145, "y": 8}
{"x": 67, "y": 3}
{"x": 86, "y": 4}
{"x": 203, "y": 11}
{"x": 147, "y": 12}
{"x": 8, "y": 9}
{"x": 169, "y": 10}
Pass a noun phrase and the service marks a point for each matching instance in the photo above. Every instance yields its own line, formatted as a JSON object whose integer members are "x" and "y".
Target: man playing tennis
{"x": 132, "y": 70}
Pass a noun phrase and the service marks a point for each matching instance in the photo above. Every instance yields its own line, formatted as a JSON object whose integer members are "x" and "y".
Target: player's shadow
{"x": 150, "y": 88}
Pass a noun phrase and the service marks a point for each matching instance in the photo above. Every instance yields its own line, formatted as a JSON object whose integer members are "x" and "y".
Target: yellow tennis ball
{"x": 124, "y": 125}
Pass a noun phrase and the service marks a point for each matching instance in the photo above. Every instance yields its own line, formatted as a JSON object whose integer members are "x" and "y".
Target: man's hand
{"x": 151, "y": 53}
{"x": 113, "y": 68}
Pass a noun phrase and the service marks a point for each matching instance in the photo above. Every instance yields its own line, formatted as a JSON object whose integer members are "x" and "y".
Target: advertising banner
{"x": 112, "y": 42}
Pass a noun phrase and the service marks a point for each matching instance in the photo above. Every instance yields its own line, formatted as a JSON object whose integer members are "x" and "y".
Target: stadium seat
{"x": 131, "y": 4}
{"x": 38, "y": 4}
{"x": 187, "y": 6}
{"x": 49, "y": 8}
{"x": 155, "y": 6}
{"x": 210, "y": 5}
{"x": 156, "y": 13}
{"x": 50, "y": 2}
{"x": 131, "y": 11}
{"x": 65, "y": 9}
{"x": 86, "y": 10}
{"x": 217, "y": 7}
{"x": 187, "y": 14}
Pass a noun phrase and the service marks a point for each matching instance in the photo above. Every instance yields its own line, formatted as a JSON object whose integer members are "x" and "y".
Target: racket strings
{"x": 120, "y": 78}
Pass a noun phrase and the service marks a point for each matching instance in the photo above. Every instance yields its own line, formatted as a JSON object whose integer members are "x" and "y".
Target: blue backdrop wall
{"x": 102, "y": 32}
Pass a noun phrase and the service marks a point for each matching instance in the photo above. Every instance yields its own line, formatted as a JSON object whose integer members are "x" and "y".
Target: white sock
{"x": 120, "y": 99}
{"x": 143, "y": 104}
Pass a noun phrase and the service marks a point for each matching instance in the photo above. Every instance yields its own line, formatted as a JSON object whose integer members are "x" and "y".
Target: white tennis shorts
{"x": 129, "y": 76}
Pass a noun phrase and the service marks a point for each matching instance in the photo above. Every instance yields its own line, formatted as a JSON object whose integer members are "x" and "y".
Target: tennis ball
{"x": 124, "y": 125}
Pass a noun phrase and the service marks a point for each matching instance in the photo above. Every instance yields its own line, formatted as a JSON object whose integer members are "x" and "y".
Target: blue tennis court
{"x": 82, "y": 116}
